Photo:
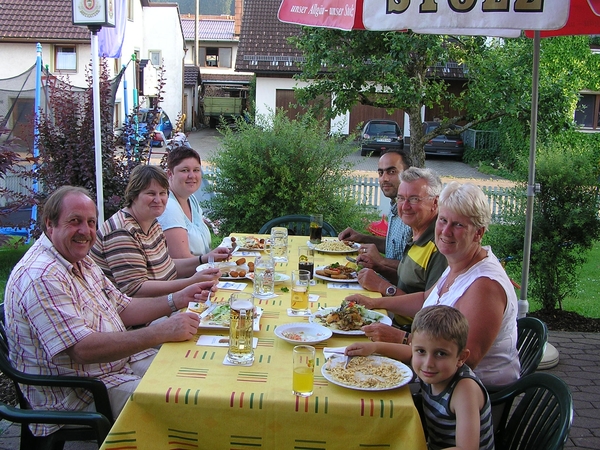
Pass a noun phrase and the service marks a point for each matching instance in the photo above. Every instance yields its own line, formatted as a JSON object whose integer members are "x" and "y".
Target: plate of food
{"x": 337, "y": 272}
{"x": 230, "y": 270}
{"x": 335, "y": 246}
{"x": 348, "y": 318}
{"x": 249, "y": 244}
{"x": 302, "y": 333}
{"x": 216, "y": 316}
{"x": 279, "y": 277}
{"x": 367, "y": 373}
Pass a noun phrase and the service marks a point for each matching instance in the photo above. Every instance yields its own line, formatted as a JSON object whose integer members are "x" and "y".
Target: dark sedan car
{"x": 379, "y": 136}
{"x": 444, "y": 144}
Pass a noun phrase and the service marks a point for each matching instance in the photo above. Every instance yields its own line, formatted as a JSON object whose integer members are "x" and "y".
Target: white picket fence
{"x": 364, "y": 189}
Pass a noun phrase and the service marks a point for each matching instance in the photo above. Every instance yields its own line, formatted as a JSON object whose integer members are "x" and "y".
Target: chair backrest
{"x": 531, "y": 343}
{"x": 537, "y": 413}
{"x": 297, "y": 225}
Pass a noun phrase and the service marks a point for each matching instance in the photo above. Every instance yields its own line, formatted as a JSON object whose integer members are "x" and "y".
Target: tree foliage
{"x": 565, "y": 221}
{"x": 279, "y": 166}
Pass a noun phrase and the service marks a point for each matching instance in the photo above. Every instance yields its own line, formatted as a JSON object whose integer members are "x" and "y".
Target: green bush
{"x": 565, "y": 222}
{"x": 279, "y": 166}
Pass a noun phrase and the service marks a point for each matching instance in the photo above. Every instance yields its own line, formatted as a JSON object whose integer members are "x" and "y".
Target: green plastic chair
{"x": 297, "y": 225}
{"x": 531, "y": 343}
{"x": 83, "y": 425}
{"x": 537, "y": 413}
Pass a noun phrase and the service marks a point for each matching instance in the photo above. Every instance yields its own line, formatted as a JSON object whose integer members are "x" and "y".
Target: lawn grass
{"x": 586, "y": 302}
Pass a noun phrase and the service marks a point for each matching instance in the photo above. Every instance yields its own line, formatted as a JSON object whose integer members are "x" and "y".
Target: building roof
{"x": 191, "y": 76}
{"x": 263, "y": 46}
{"x": 209, "y": 30}
{"x": 47, "y": 20}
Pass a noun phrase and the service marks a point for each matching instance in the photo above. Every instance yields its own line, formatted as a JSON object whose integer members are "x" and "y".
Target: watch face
{"x": 390, "y": 291}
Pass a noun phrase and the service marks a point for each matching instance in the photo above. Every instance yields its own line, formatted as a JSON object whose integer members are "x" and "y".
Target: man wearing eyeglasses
{"x": 389, "y": 168}
{"x": 422, "y": 263}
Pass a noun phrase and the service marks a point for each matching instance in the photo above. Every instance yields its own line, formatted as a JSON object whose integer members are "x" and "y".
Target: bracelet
{"x": 171, "y": 303}
{"x": 200, "y": 258}
{"x": 405, "y": 340}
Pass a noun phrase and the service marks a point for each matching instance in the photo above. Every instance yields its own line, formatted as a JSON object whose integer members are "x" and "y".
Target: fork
{"x": 348, "y": 358}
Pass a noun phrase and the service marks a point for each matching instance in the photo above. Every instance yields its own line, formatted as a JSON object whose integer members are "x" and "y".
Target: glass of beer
{"x": 304, "y": 370}
{"x": 306, "y": 259}
{"x": 316, "y": 228}
{"x": 300, "y": 284}
{"x": 241, "y": 329}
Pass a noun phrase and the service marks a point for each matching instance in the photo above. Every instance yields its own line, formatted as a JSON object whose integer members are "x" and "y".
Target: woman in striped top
{"x": 131, "y": 248}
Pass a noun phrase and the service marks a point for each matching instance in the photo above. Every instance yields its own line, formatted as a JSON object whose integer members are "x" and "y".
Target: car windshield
{"x": 382, "y": 128}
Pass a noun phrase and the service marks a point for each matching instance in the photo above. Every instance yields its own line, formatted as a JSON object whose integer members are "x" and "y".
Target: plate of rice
{"x": 367, "y": 373}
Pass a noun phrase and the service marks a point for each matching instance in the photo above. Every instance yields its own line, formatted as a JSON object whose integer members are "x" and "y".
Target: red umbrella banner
{"x": 584, "y": 18}
{"x": 394, "y": 15}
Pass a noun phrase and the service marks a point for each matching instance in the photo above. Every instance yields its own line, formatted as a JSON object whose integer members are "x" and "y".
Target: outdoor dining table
{"x": 189, "y": 399}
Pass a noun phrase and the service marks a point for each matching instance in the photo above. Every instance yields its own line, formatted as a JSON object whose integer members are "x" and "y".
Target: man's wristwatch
{"x": 171, "y": 303}
{"x": 391, "y": 291}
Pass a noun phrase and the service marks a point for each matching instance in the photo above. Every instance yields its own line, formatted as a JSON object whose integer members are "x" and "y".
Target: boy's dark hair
{"x": 444, "y": 322}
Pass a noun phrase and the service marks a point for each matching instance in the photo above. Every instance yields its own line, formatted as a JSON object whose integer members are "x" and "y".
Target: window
{"x": 66, "y": 58}
{"x": 215, "y": 57}
{"x": 130, "y": 9}
{"x": 155, "y": 57}
{"x": 586, "y": 113}
{"x": 212, "y": 57}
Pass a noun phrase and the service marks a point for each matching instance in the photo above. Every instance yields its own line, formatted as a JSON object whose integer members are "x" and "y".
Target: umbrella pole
{"x": 523, "y": 303}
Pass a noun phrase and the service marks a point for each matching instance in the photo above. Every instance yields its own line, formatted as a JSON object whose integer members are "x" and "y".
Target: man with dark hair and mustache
{"x": 391, "y": 164}
{"x": 64, "y": 317}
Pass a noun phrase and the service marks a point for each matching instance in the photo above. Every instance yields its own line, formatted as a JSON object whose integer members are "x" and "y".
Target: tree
{"x": 389, "y": 69}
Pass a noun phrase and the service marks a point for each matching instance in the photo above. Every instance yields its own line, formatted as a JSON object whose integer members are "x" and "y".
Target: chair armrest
{"x": 93, "y": 385}
{"x": 95, "y": 420}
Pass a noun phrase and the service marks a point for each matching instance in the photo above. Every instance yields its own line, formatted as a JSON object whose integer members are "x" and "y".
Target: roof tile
{"x": 39, "y": 20}
{"x": 209, "y": 30}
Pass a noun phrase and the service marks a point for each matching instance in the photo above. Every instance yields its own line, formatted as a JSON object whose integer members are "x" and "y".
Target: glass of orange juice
{"x": 304, "y": 370}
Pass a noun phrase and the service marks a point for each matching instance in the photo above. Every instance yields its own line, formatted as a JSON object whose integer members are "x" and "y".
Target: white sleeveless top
{"x": 500, "y": 366}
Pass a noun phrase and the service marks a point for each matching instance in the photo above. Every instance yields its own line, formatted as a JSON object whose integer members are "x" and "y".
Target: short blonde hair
{"x": 467, "y": 200}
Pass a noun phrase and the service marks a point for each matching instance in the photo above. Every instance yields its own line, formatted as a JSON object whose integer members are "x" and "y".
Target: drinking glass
{"x": 316, "y": 228}
{"x": 241, "y": 329}
{"x": 264, "y": 275}
{"x": 300, "y": 284}
{"x": 306, "y": 259}
{"x": 304, "y": 370}
{"x": 279, "y": 244}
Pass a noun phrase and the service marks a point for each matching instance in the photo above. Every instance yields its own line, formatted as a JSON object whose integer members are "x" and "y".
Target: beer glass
{"x": 241, "y": 329}
{"x": 264, "y": 275}
{"x": 304, "y": 370}
{"x": 300, "y": 284}
{"x": 316, "y": 228}
{"x": 279, "y": 244}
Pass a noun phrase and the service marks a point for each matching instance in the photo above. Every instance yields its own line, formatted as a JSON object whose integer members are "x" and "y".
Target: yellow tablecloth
{"x": 189, "y": 399}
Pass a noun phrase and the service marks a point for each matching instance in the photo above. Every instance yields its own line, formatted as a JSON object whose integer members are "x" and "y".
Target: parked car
{"x": 380, "y": 136}
{"x": 444, "y": 144}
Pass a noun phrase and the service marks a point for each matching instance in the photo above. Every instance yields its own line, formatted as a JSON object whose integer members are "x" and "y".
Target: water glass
{"x": 306, "y": 259}
{"x": 304, "y": 370}
{"x": 279, "y": 244}
{"x": 316, "y": 228}
{"x": 264, "y": 275}
{"x": 300, "y": 285}
{"x": 241, "y": 328}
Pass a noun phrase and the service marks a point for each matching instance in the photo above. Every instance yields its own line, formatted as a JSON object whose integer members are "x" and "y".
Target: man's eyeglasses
{"x": 413, "y": 199}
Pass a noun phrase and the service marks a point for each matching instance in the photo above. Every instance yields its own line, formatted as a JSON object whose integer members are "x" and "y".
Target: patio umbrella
{"x": 461, "y": 17}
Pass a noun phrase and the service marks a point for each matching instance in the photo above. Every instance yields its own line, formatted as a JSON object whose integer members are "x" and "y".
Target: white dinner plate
{"x": 335, "y": 280}
{"x": 406, "y": 374}
{"x": 352, "y": 249}
{"x": 226, "y": 267}
{"x": 373, "y": 315}
{"x": 279, "y": 277}
{"x": 302, "y": 333}
{"x": 208, "y": 323}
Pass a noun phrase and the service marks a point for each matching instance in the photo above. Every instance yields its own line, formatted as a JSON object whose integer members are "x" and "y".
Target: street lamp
{"x": 95, "y": 14}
